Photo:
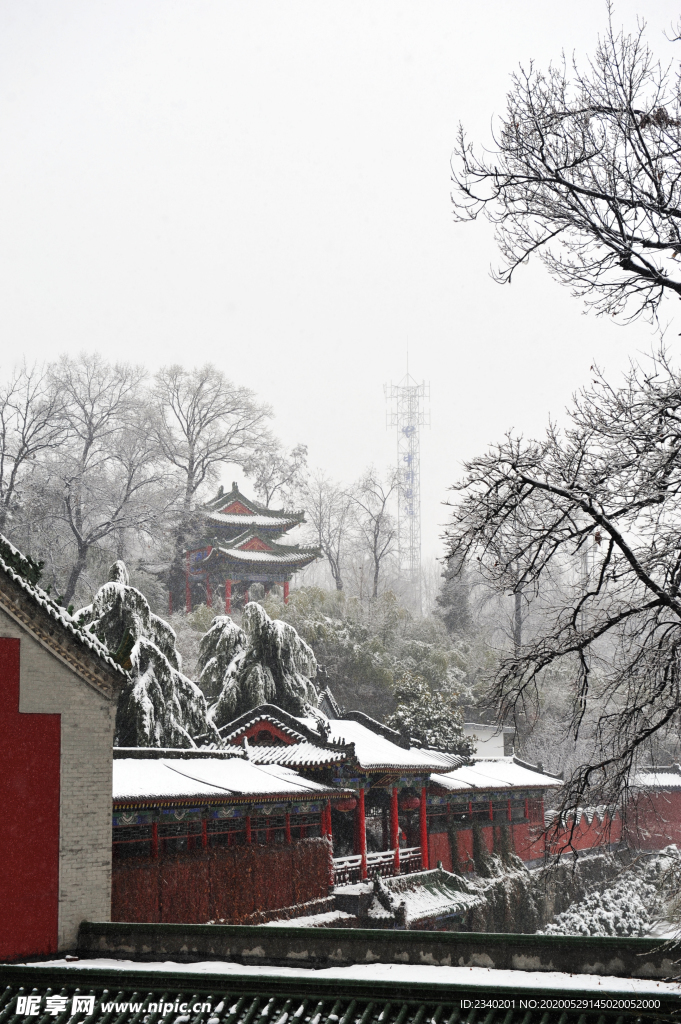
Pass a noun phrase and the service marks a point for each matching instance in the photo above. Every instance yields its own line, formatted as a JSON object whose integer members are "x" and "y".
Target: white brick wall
{"x": 87, "y": 726}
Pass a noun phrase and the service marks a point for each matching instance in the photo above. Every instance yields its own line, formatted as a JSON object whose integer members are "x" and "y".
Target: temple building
{"x": 238, "y": 543}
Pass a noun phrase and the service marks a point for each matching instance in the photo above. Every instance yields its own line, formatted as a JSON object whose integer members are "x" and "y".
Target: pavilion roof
{"x": 233, "y": 507}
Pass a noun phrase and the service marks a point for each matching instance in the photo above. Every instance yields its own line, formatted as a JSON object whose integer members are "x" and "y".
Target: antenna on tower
{"x": 406, "y": 412}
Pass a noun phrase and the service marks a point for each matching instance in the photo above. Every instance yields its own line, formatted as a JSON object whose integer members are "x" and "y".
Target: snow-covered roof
{"x": 59, "y": 615}
{"x": 374, "y": 752}
{"x": 179, "y": 778}
{"x": 658, "y": 777}
{"x": 425, "y": 896}
{"x": 495, "y": 773}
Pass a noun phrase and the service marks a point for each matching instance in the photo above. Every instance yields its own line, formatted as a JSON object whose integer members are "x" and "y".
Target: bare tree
{"x": 327, "y": 506}
{"x": 584, "y": 173}
{"x": 31, "y": 425}
{"x": 371, "y": 501}
{"x": 102, "y": 474}
{"x": 203, "y": 422}
{"x": 275, "y": 471}
{"x": 610, "y": 485}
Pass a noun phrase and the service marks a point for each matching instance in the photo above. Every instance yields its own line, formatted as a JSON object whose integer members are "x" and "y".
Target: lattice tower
{"x": 407, "y": 413}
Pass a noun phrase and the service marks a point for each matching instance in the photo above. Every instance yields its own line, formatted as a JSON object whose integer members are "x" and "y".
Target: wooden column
{"x": 395, "y": 831}
{"x": 204, "y": 833}
{"x": 362, "y": 834}
{"x": 246, "y": 597}
{"x": 286, "y": 592}
{"x": 228, "y": 597}
{"x": 287, "y": 828}
{"x": 423, "y": 822}
{"x": 248, "y": 828}
{"x": 154, "y": 840}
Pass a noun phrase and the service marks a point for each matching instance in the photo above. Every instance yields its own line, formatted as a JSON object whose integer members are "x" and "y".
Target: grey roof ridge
{"x": 537, "y": 768}
{"x": 35, "y": 611}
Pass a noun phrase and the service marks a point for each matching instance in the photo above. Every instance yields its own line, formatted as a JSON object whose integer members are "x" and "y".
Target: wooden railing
{"x": 347, "y": 870}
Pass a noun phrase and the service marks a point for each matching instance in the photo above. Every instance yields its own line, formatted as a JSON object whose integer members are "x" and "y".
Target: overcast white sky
{"x": 265, "y": 185}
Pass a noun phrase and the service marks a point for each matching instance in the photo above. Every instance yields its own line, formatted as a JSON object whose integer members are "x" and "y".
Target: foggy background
{"x": 266, "y": 186}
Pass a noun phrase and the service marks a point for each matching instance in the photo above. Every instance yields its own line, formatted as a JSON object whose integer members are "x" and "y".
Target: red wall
{"x": 29, "y": 819}
{"x": 227, "y": 884}
{"x": 439, "y": 850}
{"x": 654, "y": 820}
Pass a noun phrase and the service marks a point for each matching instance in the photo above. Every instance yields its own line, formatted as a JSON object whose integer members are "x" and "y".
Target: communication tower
{"x": 407, "y": 413}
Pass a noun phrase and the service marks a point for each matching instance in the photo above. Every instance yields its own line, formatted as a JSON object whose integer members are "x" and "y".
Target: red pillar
{"x": 248, "y": 828}
{"x": 508, "y": 812}
{"x": 209, "y": 594}
{"x": 246, "y": 597}
{"x": 286, "y": 592}
{"x": 154, "y": 840}
{"x": 204, "y": 833}
{"x": 491, "y": 811}
{"x": 395, "y": 831}
{"x": 423, "y": 822}
{"x": 228, "y": 597}
{"x": 187, "y": 587}
{"x": 329, "y": 825}
{"x": 362, "y": 834}
{"x": 287, "y": 828}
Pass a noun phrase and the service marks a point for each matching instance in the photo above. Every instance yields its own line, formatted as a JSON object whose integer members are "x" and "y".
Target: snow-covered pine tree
{"x": 160, "y": 707}
{"x": 433, "y": 718}
{"x": 265, "y": 662}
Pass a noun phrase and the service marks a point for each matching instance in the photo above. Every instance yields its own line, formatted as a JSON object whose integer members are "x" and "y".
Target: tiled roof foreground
{"x": 272, "y": 999}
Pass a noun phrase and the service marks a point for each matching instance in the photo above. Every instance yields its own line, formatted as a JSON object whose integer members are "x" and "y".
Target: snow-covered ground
{"x": 481, "y": 977}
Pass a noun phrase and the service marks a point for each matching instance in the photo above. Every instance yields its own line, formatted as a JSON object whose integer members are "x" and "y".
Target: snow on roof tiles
{"x": 296, "y": 754}
{"x": 374, "y": 752}
{"x": 495, "y": 773}
{"x": 264, "y": 556}
{"x": 233, "y": 519}
{"x": 658, "y": 778}
{"x": 59, "y": 614}
{"x": 429, "y": 895}
{"x": 179, "y": 778}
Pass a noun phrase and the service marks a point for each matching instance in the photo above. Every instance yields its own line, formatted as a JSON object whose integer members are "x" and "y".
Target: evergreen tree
{"x": 454, "y": 598}
{"x": 265, "y": 662}
{"x": 160, "y": 707}
{"x": 433, "y": 718}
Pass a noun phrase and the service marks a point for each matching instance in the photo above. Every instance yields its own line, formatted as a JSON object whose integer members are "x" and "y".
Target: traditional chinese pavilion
{"x": 239, "y": 544}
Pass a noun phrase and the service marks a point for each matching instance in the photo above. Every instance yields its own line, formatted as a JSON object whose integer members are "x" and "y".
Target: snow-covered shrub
{"x": 627, "y": 907}
{"x": 160, "y": 707}
{"x": 263, "y": 662}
